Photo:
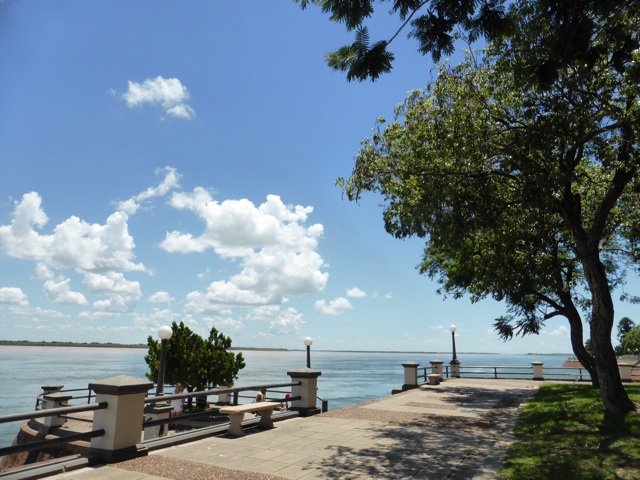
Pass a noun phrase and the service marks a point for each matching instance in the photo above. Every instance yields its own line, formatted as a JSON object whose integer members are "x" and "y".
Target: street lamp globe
{"x": 453, "y": 328}
{"x": 165, "y": 332}
{"x": 308, "y": 341}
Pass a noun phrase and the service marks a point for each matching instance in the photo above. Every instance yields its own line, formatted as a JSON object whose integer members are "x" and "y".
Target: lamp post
{"x": 454, "y": 360}
{"x": 165, "y": 334}
{"x": 308, "y": 342}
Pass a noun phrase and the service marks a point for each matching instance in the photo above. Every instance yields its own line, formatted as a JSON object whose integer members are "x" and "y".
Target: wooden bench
{"x": 236, "y": 415}
{"x": 433, "y": 378}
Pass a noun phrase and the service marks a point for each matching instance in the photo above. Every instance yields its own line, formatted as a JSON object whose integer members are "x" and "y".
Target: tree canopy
{"x": 570, "y": 28}
{"x": 625, "y": 325}
{"x": 194, "y": 362}
{"x": 632, "y": 341}
{"x": 524, "y": 186}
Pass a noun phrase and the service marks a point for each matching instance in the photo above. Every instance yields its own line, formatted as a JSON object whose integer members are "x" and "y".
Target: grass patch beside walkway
{"x": 563, "y": 433}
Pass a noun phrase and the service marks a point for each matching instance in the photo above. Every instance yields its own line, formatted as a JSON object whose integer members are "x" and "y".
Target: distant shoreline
{"x": 27, "y": 343}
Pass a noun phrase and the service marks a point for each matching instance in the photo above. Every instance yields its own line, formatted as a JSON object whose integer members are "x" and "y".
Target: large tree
{"x": 435, "y": 24}
{"x": 194, "y": 362}
{"x": 524, "y": 181}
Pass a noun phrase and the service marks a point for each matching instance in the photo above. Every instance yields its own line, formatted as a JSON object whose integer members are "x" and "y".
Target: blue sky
{"x": 177, "y": 161}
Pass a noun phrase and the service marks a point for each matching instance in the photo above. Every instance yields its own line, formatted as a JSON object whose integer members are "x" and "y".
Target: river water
{"x": 347, "y": 377}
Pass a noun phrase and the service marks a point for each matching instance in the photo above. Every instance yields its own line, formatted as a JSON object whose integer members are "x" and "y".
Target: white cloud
{"x": 171, "y": 180}
{"x": 154, "y": 320}
{"x": 334, "y": 307}
{"x": 224, "y": 325}
{"x": 60, "y": 292}
{"x": 286, "y": 323}
{"x": 276, "y": 249}
{"x": 355, "y": 292}
{"x": 123, "y": 294}
{"x": 160, "y": 297}
{"x": 221, "y": 294}
{"x": 13, "y": 296}
{"x": 169, "y": 93}
{"x": 561, "y": 331}
{"x": 74, "y": 243}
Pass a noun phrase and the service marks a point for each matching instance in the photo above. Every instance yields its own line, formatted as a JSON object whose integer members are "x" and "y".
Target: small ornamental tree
{"x": 196, "y": 363}
{"x": 625, "y": 325}
{"x": 632, "y": 341}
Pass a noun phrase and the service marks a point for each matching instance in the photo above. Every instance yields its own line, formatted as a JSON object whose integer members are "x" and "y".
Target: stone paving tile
{"x": 409, "y": 435}
{"x": 270, "y": 466}
{"x": 299, "y": 471}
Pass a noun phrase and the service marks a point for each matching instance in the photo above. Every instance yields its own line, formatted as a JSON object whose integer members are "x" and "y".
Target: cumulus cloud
{"x": 13, "y": 296}
{"x": 160, "y": 297}
{"x": 355, "y": 292}
{"x": 334, "y": 307}
{"x": 561, "y": 331}
{"x": 288, "y": 322}
{"x": 276, "y": 249}
{"x": 60, "y": 292}
{"x": 171, "y": 180}
{"x": 224, "y": 325}
{"x": 74, "y": 243}
{"x": 123, "y": 294}
{"x": 169, "y": 93}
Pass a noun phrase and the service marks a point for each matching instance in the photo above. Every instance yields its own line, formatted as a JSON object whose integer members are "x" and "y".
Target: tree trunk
{"x": 577, "y": 343}
{"x": 614, "y": 396}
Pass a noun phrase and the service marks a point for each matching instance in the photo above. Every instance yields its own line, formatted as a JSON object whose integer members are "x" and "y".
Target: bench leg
{"x": 265, "y": 419}
{"x": 235, "y": 424}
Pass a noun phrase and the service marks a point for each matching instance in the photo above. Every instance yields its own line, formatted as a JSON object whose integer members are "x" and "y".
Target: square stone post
{"x": 55, "y": 400}
{"x": 410, "y": 375}
{"x": 436, "y": 367}
{"x": 122, "y": 419}
{"x": 308, "y": 390}
{"x": 156, "y": 411}
{"x": 223, "y": 398}
{"x": 537, "y": 371}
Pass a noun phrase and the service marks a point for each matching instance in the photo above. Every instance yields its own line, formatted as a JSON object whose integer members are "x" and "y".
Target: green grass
{"x": 563, "y": 433}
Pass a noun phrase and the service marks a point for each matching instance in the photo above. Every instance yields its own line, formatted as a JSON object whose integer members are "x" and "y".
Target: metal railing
{"x": 51, "y": 412}
{"x": 511, "y": 372}
{"x": 235, "y": 395}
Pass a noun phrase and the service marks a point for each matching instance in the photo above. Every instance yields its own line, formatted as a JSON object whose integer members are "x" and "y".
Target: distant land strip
{"x": 28, "y": 343}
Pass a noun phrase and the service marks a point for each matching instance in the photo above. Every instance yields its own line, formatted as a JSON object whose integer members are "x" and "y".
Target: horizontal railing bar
{"x": 39, "y": 445}
{"x": 50, "y": 412}
{"x": 217, "y": 391}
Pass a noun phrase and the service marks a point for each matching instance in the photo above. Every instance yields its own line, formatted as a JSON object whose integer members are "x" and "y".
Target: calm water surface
{"x": 347, "y": 377}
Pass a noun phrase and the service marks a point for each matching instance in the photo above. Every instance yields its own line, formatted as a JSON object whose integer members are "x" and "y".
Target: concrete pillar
{"x": 308, "y": 390}
{"x": 55, "y": 400}
{"x": 537, "y": 371}
{"x": 625, "y": 371}
{"x": 436, "y": 366}
{"x": 156, "y": 411}
{"x": 455, "y": 369}
{"x": 47, "y": 389}
{"x": 410, "y": 375}
{"x": 122, "y": 419}
{"x": 224, "y": 398}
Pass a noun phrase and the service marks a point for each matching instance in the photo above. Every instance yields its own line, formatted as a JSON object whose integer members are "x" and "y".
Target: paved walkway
{"x": 457, "y": 430}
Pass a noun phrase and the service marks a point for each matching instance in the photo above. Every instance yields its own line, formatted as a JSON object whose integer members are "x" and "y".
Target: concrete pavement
{"x": 457, "y": 430}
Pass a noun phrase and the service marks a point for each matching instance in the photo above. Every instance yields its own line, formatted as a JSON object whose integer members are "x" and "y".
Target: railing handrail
{"x": 217, "y": 391}
{"x": 40, "y": 444}
{"x": 50, "y": 412}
